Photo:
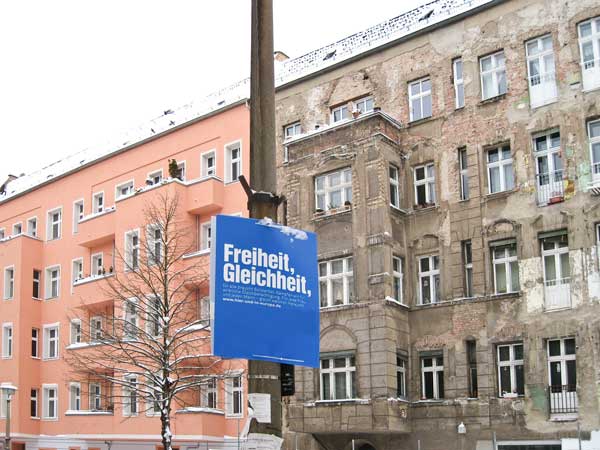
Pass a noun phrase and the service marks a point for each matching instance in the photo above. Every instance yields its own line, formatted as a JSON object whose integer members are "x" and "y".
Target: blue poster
{"x": 264, "y": 291}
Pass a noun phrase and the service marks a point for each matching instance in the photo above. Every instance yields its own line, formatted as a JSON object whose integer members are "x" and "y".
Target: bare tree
{"x": 147, "y": 343}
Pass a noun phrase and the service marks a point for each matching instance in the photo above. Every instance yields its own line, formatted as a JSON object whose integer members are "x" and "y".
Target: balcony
{"x": 542, "y": 89}
{"x": 557, "y": 294}
{"x": 590, "y": 72}
{"x": 96, "y": 229}
{"x": 204, "y": 196}
{"x": 550, "y": 188}
{"x": 594, "y": 186}
{"x": 563, "y": 402}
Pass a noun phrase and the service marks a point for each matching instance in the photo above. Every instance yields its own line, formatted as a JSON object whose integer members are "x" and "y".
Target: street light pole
{"x": 7, "y": 433}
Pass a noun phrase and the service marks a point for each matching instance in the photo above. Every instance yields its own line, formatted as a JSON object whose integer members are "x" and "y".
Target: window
{"x": 397, "y": 278}
{"x": 96, "y": 328}
{"x": 511, "y": 379}
{"x": 338, "y": 378}
{"x": 17, "y": 229}
{"x": 35, "y": 343}
{"x": 205, "y": 236}
{"x": 401, "y": 366}
{"x": 209, "y": 394}
{"x": 50, "y": 393}
{"x": 468, "y": 265}
{"x": 95, "y": 397}
{"x": 459, "y": 83}
{"x": 432, "y": 377}
{"x": 33, "y": 403}
{"x": 464, "y": 173}
{"x": 131, "y": 318}
{"x": 124, "y": 190}
{"x": 472, "y": 368}
{"x": 589, "y": 47}
{"x": 394, "y": 187}
{"x": 35, "y": 290}
{"x": 75, "y": 331}
{"x": 9, "y": 283}
{"x": 130, "y": 396}
{"x": 2, "y": 234}
{"x": 364, "y": 105}
{"x": 75, "y": 397}
{"x": 500, "y": 169}
{"x": 98, "y": 202}
{"x": 153, "y": 314}
{"x": 97, "y": 264}
{"x": 234, "y": 393}
{"x": 155, "y": 244}
{"x": 548, "y": 167}
{"x": 337, "y": 282}
{"x": 204, "y": 309}
{"x": 506, "y": 267}
{"x": 292, "y": 130}
{"x": 333, "y": 190}
{"x": 540, "y": 71}
{"x": 77, "y": 270}
{"x": 52, "y": 282}
{"x": 54, "y": 224}
{"x": 429, "y": 280}
{"x": 154, "y": 178}
{"x": 493, "y": 75}
{"x": 340, "y": 113}
{"x": 419, "y": 98}
{"x": 50, "y": 341}
{"x": 562, "y": 365}
{"x": 132, "y": 250}
{"x": 78, "y": 214}
{"x": 594, "y": 136}
{"x": 209, "y": 164}
{"x": 154, "y": 397}
{"x": 180, "y": 172}
{"x": 7, "y": 340}
{"x": 557, "y": 272}
{"x": 233, "y": 161}
{"x": 425, "y": 185}
{"x": 32, "y": 227}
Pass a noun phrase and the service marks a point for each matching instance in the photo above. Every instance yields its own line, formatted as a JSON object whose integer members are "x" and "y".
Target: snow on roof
{"x": 286, "y": 71}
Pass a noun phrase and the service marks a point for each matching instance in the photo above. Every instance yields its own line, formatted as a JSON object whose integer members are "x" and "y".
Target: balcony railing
{"x": 557, "y": 293}
{"x": 563, "y": 399}
{"x": 542, "y": 89}
{"x": 550, "y": 187}
{"x": 591, "y": 74}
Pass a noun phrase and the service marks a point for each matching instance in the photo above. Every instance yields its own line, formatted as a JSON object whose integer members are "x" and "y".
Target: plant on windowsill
{"x": 348, "y": 204}
{"x": 319, "y": 212}
{"x": 173, "y": 169}
{"x": 556, "y": 199}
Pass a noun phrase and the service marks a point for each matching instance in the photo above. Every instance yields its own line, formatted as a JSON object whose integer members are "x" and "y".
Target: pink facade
{"x": 53, "y": 238}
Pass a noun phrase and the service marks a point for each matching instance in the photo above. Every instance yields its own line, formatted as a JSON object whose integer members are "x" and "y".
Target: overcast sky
{"x": 76, "y": 72}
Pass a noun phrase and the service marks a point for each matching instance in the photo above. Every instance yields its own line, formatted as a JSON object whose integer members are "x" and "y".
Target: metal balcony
{"x": 562, "y": 399}
{"x": 550, "y": 188}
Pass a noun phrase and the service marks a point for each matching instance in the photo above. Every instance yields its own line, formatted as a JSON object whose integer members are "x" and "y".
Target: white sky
{"x": 75, "y": 72}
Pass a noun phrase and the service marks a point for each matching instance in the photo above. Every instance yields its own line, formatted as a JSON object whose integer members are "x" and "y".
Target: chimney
{"x": 5, "y": 184}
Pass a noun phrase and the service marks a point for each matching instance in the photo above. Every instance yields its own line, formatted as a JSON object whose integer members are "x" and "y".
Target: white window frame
{"x": 431, "y": 274}
{"x": 349, "y": 370}
{"x": 505, "y": 261}
{"x": 458, "y": 82}
{"x": 502, "y": 166}
{"x": 512, "y": 363}
{"x": 8, "y": 340}
{"x": 131, "y": 399}
{"x": 76, "y": 336}
{"x": 436, "y": 370}
{"x": 394, "y": 175}
{"x": 398, "y": 279}
{"x": 51, "y": 222}
{"x": 9, "y": 283}
{"x": 131, "y": 318}
{"x": 96, "y": 328}
{"x": 556, "y": 252}
{"x": 78, "y": 213}
{"x": 74, "y": 396}
{"x": 363, "y": 105}
{"x": 2, "y": 233}
{"x": 97, "y": 263}
{"x": 340, "y": 113}
{"x": 561, "y": 359}
{"x": 347, "y": 277}
{"x": 467, "y": 254}
{"x": 494, "y": 72}
{"x": 230, "y": 161}
{"x": 32, "y": 227}
{"x": 129, "y": 185}
{"x": 132, "y": 251}
{"x": 34, "y": 399}
{"x": 151, "y": 242}
{"x": 401, "y": 371}
{"x": 231, "y": 392}
{"x": 98, "y": 205}
{"x": 291, "y": 130}
{"x": 594, "y": 141}
{"x": 153, "y": 405}
{"x": 463, "y": 167}
{"x": 37, "y": 281}
{"x": 50, "y": 279}
{"x": 205, "y": 235}
{"x": 46, "y": 330}
{"x": 46, "y": 401}
{"x": 550, "y": 182}
{"x": 547, "y": 76}
{"x": 95, "y": 397}
{"x": 153, "y": 315}
{"x": 181, "y": 166}
{"x": 76, "y": 270}
{"x": 35, "y": 342}
{"x": 208, "y": 170}
{"x": 428, "y": 181}
{"x": 155, "y": 177}
{"x": 421, "y": 97}
{"x": 209, "y": 394}
{"x": 590, "y": 67}
{"x": 17, "y": 229}
{"x": 323, "y": 195}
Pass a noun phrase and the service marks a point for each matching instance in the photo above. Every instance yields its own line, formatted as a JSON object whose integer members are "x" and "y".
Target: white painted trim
{"x": 48, "y": 223}
{"x": 44, "y": 387}
{"x": 213, "y": 151}
{"x": 122, "y": 184}
{"x": 227, "y": 159}
{"x": 94, "y": 196}
{"x": 75, "y": 221}
{"x": 37, "y": 226}
{"x": 46, "y": 280}
{"x": 154, "y": 172}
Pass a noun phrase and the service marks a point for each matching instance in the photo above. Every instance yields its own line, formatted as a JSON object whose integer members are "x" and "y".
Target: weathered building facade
{"x": 449, "y": 170}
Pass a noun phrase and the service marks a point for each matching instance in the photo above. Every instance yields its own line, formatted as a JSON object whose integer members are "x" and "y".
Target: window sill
{"x": 231, "y": 182}
{"x": 200, "y": 410}
{"x": 91, "y": 279}
{"x": 234, "y": 416}
{"x": 398, "y": 210}
{"x": 414, "y": 123}
{"x": 50, "y": 359}
{"x": 429, "y": 401}
{"x": 50, "y": 419}
{"x": 565, "y": 417}
{"x": 396, "y": 302}
{"x": 424, "y": 209}
{"x": 204, "y": 251}
{"x": 337, "y": 307}
{"x": 83, "y": 412}
{"x": 358, "y": 401}
{"x": 492, "y": 99}
{"x": 541, "y": 105}
{"x": 331, "y": 213}
{"x": 511, "y": 397}
{"x": 500, "y": 194}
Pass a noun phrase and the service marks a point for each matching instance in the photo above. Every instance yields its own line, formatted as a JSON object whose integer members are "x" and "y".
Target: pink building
{"x": 59, "y": 229}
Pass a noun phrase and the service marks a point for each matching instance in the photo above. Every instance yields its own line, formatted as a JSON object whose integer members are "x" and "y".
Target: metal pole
{"x": 7, "y": 433}
{"x": 418, "y": 444}
{"x": 352, "y": 444}
{"x": 579, "y": 434}
{"x": 494, "y": 441}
